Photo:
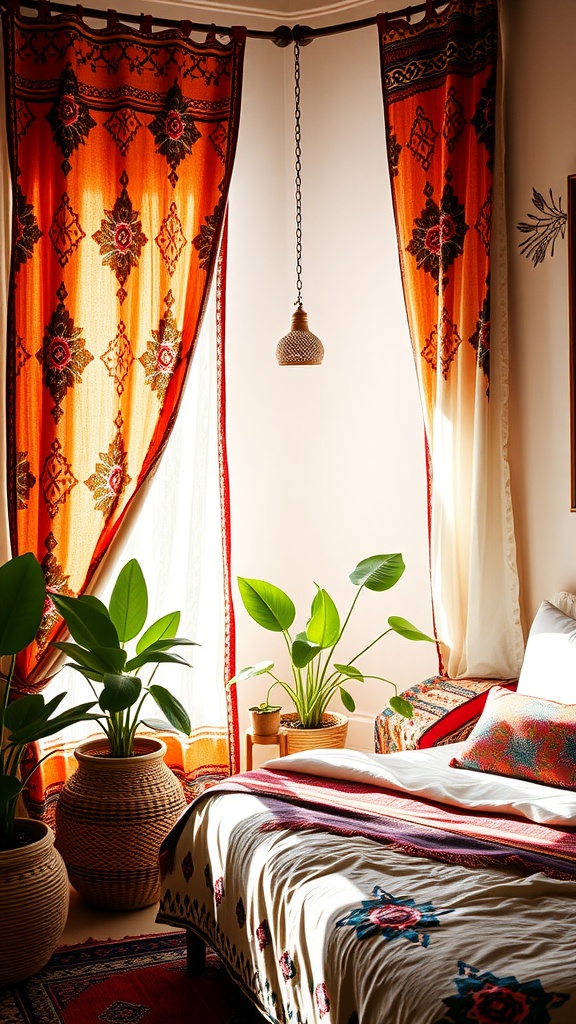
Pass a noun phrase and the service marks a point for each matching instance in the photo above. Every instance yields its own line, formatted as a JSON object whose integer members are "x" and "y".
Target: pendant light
{"x": 299, "y": 347}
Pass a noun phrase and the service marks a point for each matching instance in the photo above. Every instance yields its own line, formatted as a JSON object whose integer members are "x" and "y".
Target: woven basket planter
{"x": 111, "y": 818}
{"x": 331, "y": 734}
{"x": 34, "y": 895}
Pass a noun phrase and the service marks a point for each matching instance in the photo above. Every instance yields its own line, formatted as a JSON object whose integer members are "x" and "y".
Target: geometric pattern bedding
{"x": 444, "y": 711}
{"x": 325, "y": 928}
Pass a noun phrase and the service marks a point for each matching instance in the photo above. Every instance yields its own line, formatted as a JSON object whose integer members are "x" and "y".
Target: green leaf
{"x": 22, "y": 595}
{"x": 113, "y": 658}
{"x": 87, "y": 659}
{"x": 88, "y": 625}
{"x": 407, "y": 630}
{"x": 347, "y": 699}
{"x": 165, "y": 627}
{"x": 159, "y": 724}
{"x": 120, "y": 692}
{"x": 351, "y": 671}
{"x": 41, "y": 730}
{"x": 379, "y": 572}
{"x": 303, "y": 651}
{"x": 129, "y": 601}
{"x": 20, "y": 713}
{"x": 324, "y": 625}
{"x": 269, "y": 606}
{"x": 88, "y": 673}
{"x": 403, "y": 707}
{"x": 94, "y": 602}
{"x": 10, "y": 787}
{"x": 172, "y": 708}
{"x": 155, "y": 657}
{"x": 252, "y": 670}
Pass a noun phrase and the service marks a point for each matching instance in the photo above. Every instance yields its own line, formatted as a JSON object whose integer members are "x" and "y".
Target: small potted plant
{"x": 265, "y": 717}
{"x": 33, "y": 881}
{"x": 316, "y": 677}
{"x": 114, "y": 811}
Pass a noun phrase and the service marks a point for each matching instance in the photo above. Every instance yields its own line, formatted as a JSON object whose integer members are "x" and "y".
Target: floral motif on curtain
{"x": 121, "y": 146}
{"x": 439, "y": 87}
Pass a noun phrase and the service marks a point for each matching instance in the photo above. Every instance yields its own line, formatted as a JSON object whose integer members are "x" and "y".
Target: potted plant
{"x": 33, "y": 881}
{"x": 316, "y": 677}
{"x": 116, "y": 809}
{"x": 265, "y": 718}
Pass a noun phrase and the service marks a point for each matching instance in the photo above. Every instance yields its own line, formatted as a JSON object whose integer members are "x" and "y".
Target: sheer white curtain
{"x": 177, "y": 539}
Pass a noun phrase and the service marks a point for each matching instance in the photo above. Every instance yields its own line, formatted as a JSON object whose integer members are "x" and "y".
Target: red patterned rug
{"x": 131, "y": 981}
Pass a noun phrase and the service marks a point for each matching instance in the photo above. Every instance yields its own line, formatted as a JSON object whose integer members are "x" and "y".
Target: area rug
{"x": 131, "y": 981}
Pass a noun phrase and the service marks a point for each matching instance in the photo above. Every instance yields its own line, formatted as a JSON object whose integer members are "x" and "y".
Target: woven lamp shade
{"x": 299, "y": 347}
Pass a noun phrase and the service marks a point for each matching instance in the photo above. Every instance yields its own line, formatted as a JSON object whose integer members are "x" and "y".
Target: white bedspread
{"x": 427, "y": 774}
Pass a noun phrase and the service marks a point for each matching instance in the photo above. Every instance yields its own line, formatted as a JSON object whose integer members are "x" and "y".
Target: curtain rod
{"x": 284, "y": 35}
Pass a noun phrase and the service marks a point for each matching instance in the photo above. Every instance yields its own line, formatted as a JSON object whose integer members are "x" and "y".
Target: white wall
{"x": 326, "y": 463}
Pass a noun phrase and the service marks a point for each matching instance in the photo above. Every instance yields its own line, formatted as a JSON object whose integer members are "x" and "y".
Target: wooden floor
{"x": 86, "y": 922}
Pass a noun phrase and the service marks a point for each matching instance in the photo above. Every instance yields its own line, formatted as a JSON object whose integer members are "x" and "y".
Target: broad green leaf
{"x": 407, "y": 630}
{"x": 20, "y": 713}
{"x": 304, "y": 651}
{"x": 10, "y": 787}
{"x": 22, "y": 596}
{"x": 113, "y": 658}
{"x": 172, "y": 708}
{"x": 41, "y": 730}
{"x": 129, "y": 601}
{"x": 252, "y": 670}
{"x": 379, "y": 572}
{"x": 88, "y": 673}
{"x": 351, "y": 671}
{"x": 88, "y": 626}
{"x": 324, "y": 625}
{"x": 403, "y": 707}
{"x": 94, "y": 602}
{"x": 159, "y": 724}
{"x": 347, "y": 699}
{"x": 165, "y": 627}
{"x": 155, "y": 658}
{"x": 167, "y": 644}
{"x": 269, "y": 606}
{"x": 88, "y": 659}
{"x": 120, "y": 692}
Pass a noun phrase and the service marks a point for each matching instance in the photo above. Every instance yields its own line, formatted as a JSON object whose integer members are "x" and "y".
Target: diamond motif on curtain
{"x": 422, "y": 138}
{"x": 22, "y": 356}
{"x": 484, "y": 223}
{"x": 110, "y": 479}
{"x": 121, "y": 238}
{"x": 170, "y": 239}
{"x": 118, "y": 358}
{"x": 57, "y": 479}
{"x": 163, "y": 352}
{"x": 483, "y": 119}
{"x": 24, "y": 118}
{"x": 26, "y": 230}
{"x": 219, "y": 138}
{"x": 450, "y": 341}
{"x": 65, "y": 231}
{"x": 123, "y": 125}
{"x": 69, "y": 118}
{"x": 25, "y": 480}
{"x": 454, "y": 120}
{"x": 438, "y": 235}
{"x": 63, "y": 356}
{"x": 174, "y": 131}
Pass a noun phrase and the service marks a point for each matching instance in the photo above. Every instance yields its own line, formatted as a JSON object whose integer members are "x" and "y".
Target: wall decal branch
{"x": 544, "y": 228}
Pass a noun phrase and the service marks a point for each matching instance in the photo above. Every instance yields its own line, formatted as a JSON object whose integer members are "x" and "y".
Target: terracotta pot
{"x": 111, "y": 818}
{"x": 265, "y": 723}
{"x": 331, "y": 734}
{"x": 34, "y": 893}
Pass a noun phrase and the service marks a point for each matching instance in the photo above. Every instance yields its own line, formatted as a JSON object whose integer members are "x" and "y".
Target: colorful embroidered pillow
{"x": 523, "y": 737}
{"x": 549, "y": 666}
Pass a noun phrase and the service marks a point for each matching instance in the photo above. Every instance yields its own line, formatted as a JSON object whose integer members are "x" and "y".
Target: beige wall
{"x": 541, "y": 152}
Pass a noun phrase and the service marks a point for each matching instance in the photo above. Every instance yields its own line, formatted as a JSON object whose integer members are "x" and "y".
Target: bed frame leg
{"x": 195, "y": 954}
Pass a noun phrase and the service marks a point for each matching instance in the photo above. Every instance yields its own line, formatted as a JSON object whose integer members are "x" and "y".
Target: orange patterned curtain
{"x": 440, "y": 99}
{"x": 121, "y": 145}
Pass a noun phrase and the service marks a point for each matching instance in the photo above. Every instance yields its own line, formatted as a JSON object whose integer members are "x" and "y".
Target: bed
{"x": 426, "y": 886}
{"x": 350, "y": 888}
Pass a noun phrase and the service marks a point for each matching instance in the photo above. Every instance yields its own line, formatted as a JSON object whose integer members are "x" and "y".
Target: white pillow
{"x": 549, "y": 666}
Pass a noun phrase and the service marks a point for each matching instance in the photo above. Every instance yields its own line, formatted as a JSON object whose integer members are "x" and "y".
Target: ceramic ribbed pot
{"x": 332, "y": 733}
{"x": 34, "y": 894}
{"x": 111, "y": 817}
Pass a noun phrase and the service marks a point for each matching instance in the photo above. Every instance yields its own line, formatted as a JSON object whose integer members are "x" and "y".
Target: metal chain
{"x": 298, "y": 153}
